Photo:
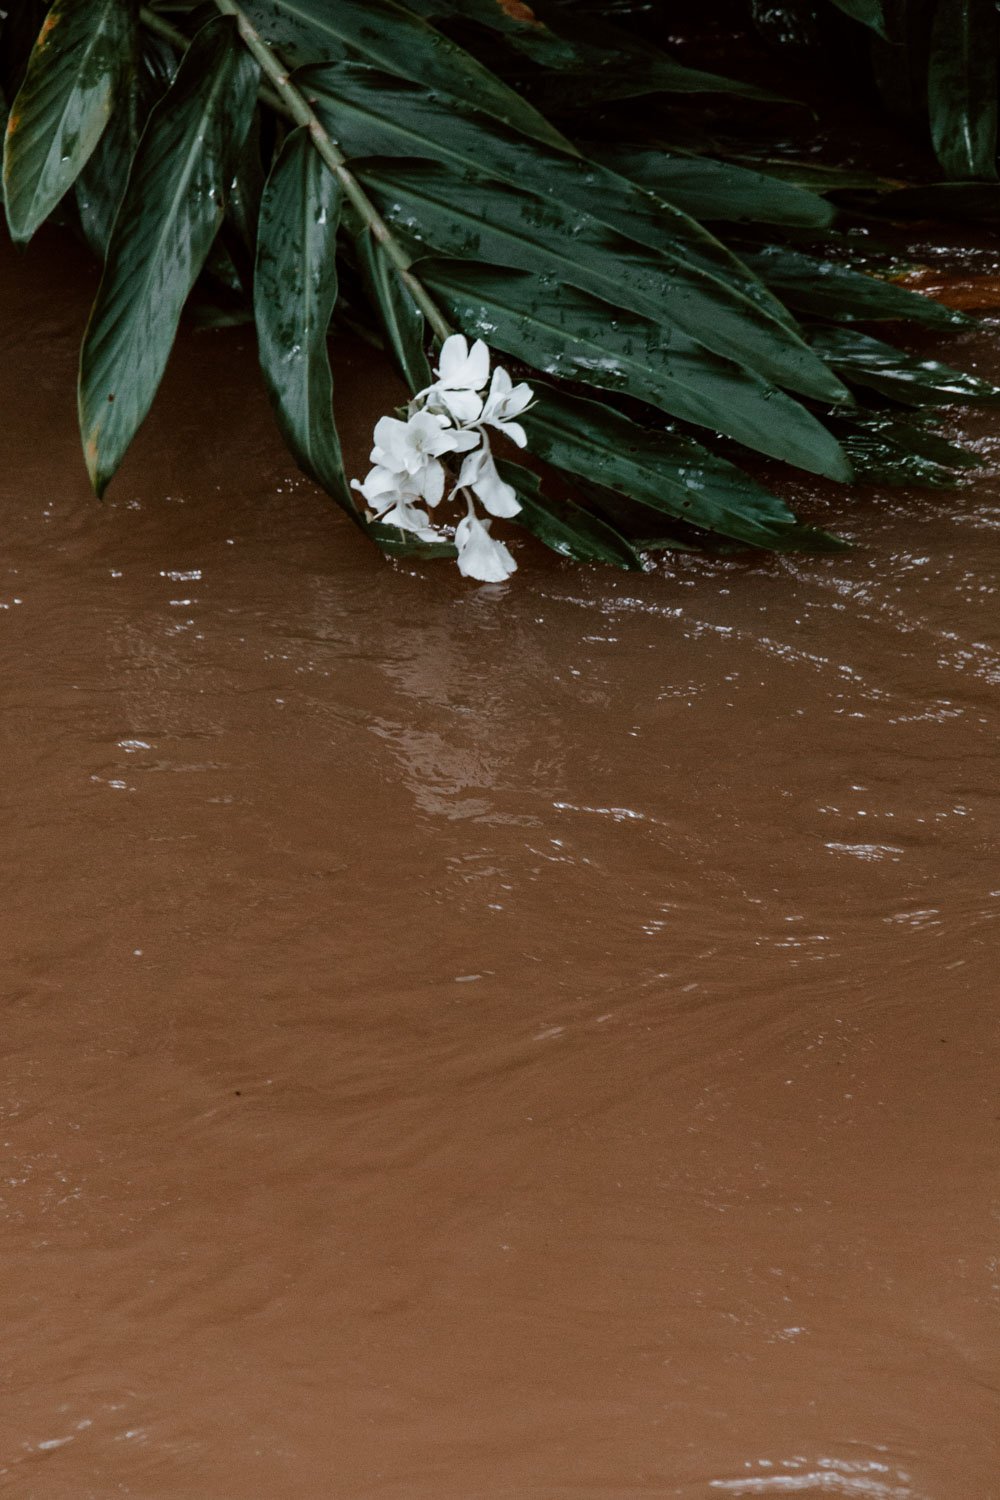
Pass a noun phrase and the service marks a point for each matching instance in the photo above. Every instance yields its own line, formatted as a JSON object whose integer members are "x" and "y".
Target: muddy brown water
{"x": 479, "y": 1043}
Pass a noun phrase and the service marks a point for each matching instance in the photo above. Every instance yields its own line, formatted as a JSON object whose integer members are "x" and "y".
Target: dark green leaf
{"x": 247, "y": 187}
{"x": 962, "y": 87}
{"x": 708, "y": 189}
{"x": 565, "y": 527}
{"x": 395, "y": 542}
{"x": 389, "y": 37}
{"x": 401, "y": 319}
{"x": 812, "y": 176}
{"x": 868, "y": 12}
{"x": 101, "y": 183}
{"x": 295, "y": 289}
{"x": 918, "y": 382}
{"x": 887, "y": 450}
{"x": 20, "y": 23}
{"x": 518, "y": 23}
{"x": 568, "y": 333}
{"x": 468, "y": 217}
{"x": 371, "y": 115}
{"x": 662, "y": 469}
{"x": 79, "y": 66}
{"x": 169, "y": 216}
{"x": 611, "y": 63}
{"x": 945, "y": 200}
{"x": 827, "y": 289}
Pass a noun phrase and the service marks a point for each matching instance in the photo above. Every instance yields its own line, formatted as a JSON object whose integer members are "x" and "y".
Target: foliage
{"x": 681, "y": 316}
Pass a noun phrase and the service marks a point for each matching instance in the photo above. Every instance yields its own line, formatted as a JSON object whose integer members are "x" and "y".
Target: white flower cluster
{"x": 451, "y": 416}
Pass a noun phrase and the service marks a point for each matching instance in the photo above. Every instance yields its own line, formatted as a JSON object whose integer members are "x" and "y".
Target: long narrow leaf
{"x": 172, "y": 208}
{"x": 78, "y": 68}
{"x": 101, "y": 184}
{"x": 564, "y": 526}
{"x": 886, "y": 450}
{"x": 828, "y": 289}
{"x": 666, "y": 471}
{"x": 568, "y": 333}
{"x": 870, "y": 13}
{"x": 390, "y": 37}
{"x": 904, "y": 377}
{"x": 719, "y": 190}
{"x": 295, "y": 290}
{"x": 962, "y": 87}
{"x": 401, "y": 319}
{"x": 469, "y": 216}
{"x": 372, "y": 115}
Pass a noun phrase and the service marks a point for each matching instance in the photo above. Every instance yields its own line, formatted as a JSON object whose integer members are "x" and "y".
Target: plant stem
{"x": 294, "y": 103}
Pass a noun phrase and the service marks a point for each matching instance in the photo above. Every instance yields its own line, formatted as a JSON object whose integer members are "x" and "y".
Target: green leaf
{"x": 828, "y": 289}
{"x": 565, "y": 527}
{"x": 467, "y": 216}
{"x": 247, "y": 187}
{"x": 662, "y": 469}
{"x": 101, "y": 183}
{"x": 614, "y": 63}
{"x": 395, "y": 542}
{"x": 568, "y": 333}
{"x": 944, "y": 200}
{"x": 518, "y": 23}
{"x": 169, "y": 216}
{"x": 79, "y": 66}
{"x": 962, "y": 87}
{"x": 401, "y": 319}
{"x": 812, "y": 176}
{"x": 708, "y": 189}
{"x": 371, "y": 115}
{"x": 869, "y": 12}
{"x": 389, "y": 37}
{"x": 887, "y": 450}
{"x": 867, "y": 361}
{"x": 295, "y": 289}
{"x": 20, "y": 25}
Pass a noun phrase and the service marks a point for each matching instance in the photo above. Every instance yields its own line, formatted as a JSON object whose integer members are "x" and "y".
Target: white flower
{"x": 479, "y": 473}
{"x": 380, "y": 486}
{"x": 461, "y": 372}
{"x": 450, "y": 416}
{"x": 408, "y": 445}
{"x": 461, "y": 368}
{"x": 504, "y": 402}
{"x": 411, "y": 518}
{"x": 479, "y": 556}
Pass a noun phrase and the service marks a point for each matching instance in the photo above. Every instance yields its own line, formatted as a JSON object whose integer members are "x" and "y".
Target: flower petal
{"x": 479, "y": 473}
{"x": 519, "y": 399}
{"x": 499, "y": 497}
{"x": 432, "y": 481}
{"x": 463, "y": 406}
{"x": 380, "y": 484}
{"x": 478, "y": 369}
{"x": 514, "y": 431}
{"x": 411, "y": 518}
{"x": 500, "y": 385}
{"x": 453, "y": 357}
{"x": 389, "y": 442}
{"x": 479, "y": 556}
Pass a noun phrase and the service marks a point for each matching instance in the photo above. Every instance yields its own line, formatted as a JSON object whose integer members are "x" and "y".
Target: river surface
{"x": 484, "y": 1043}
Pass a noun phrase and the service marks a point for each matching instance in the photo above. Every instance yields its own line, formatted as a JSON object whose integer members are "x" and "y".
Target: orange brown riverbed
{"x": 474, "y": 1043}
